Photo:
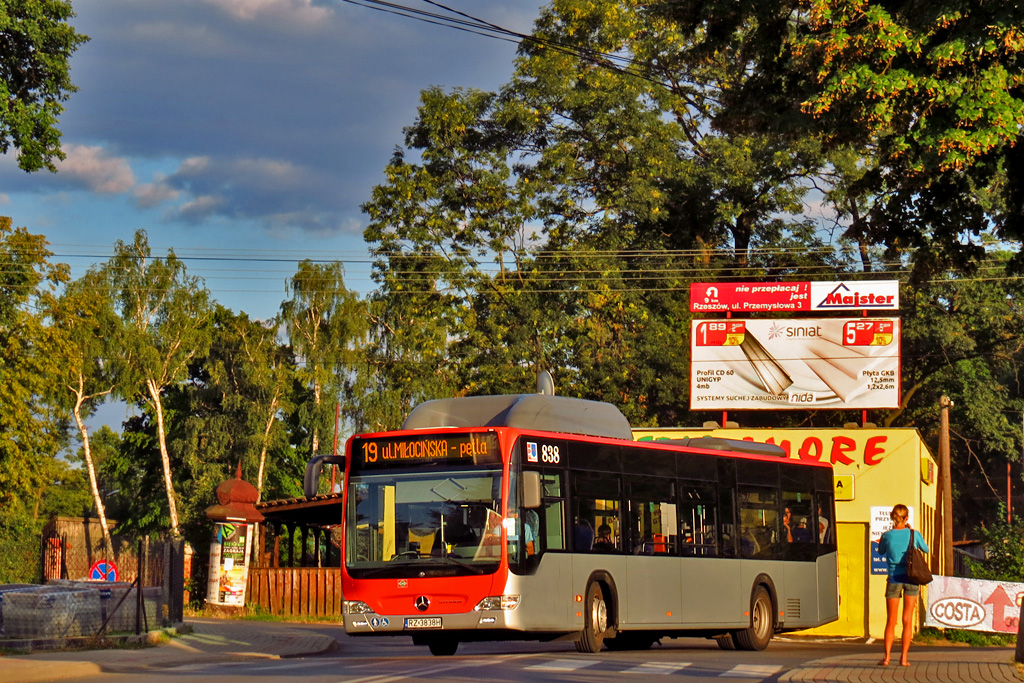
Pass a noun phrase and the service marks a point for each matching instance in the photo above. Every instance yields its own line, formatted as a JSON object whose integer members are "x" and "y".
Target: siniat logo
{"x": 794, "y": 331}
{"x": 843, "y": 297}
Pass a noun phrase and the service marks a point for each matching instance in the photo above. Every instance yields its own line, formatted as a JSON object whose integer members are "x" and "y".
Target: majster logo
{"x": 843, "y": 297}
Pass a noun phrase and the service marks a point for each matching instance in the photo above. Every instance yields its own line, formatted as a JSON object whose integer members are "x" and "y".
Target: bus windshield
{"x": 417, "y": 524}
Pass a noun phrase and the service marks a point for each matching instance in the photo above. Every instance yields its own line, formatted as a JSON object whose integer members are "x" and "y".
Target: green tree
{"x": 927, "y": 93}
{"x": 1004, "y": 550}
{"x": 557, "y": 223}
{"x": 83, "y": 337}
{"x": 36, "y": 44}
{"x": 166, "y": 316}
{"x": 326, "y": 323}
{"x": 31, "y": 429}
{"x": 228, "y": 413}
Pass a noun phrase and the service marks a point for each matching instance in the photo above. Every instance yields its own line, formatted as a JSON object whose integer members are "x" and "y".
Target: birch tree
{"x": 83, "y": 333}
{"x": 326, "y": 323}
{"x": 166, "y": 315}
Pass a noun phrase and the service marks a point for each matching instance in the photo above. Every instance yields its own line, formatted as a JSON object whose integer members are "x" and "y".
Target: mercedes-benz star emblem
{"x": 422, "y": 603}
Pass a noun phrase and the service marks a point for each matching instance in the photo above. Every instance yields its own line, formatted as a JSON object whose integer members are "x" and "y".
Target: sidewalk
{"x": 210, "y": 640}
{"x": 928, "y": 665}
{"x": 224, "y": 639}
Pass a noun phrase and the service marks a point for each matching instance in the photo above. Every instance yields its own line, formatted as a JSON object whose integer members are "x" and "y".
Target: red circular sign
{"x": 103, "y": 570}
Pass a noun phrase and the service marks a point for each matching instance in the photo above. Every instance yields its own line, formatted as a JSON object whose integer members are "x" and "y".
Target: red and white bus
{"x": 538, "y": 517}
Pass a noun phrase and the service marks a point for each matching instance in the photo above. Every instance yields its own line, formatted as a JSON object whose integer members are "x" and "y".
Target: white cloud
{"x": 200, "y": 207}
{"x": 295, "y": 12}
{"x": 149, "y": 195}
{"x": 95, "y": 169}
{"x": 4, "y": 199}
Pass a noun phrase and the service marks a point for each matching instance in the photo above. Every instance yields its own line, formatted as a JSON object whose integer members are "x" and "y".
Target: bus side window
{"x": 653, "y": 516}
{"x": 825, "y": 526}
{"x": 552, "y": 532}
{"x": 591, "y": 515}
{"x": 760, "y": 523}
{"x": 697, "y": 520}
{"x": 595, "y": 502}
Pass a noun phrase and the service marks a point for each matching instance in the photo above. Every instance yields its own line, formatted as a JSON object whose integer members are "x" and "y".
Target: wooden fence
{"x": 296, "y": 591}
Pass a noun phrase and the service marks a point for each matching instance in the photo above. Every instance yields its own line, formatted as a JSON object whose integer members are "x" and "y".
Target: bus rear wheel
{"x": 762, "y": 625}
{"x": 595, "y": 620}
{"x": 443, "y": 647}
{"x": 725, "y": 641}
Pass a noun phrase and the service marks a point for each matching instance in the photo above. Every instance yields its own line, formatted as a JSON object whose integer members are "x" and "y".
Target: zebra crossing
{"x": 565, "y": 666}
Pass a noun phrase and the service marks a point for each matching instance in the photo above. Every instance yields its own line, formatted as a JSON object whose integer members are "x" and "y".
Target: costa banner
{"x": 973, "y": 604}
{"x": 766, "y": 297}
{"x": 794, "y": 364}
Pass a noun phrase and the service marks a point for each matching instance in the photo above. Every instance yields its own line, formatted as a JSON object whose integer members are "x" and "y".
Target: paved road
{"x": 230, "y": 651}
{"x": 388, "y": 660}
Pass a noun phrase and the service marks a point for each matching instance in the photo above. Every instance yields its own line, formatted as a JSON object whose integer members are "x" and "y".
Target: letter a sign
{"x": 843, "y": 485}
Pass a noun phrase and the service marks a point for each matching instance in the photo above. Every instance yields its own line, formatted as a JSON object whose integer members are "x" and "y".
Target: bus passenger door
{"x": 653, "y": 594}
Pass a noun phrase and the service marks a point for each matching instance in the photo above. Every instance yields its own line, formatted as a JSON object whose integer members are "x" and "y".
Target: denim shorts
{"x": 897, "y": 589}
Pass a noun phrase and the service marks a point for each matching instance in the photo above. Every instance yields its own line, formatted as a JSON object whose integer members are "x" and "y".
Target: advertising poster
{"x": 973, "y": 604}
{"x": 229, "y": 566}
{"x": 880, "y": 523}
{"x": 794, "y": 364}
{"x": 767, "y": 297}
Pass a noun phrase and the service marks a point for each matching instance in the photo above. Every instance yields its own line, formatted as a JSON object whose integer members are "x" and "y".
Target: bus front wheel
{"x": 595, "y": 620}
{"x": 762, "y": 625}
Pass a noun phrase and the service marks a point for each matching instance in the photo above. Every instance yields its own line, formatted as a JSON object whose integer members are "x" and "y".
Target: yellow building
{"x": 874, "y": 470}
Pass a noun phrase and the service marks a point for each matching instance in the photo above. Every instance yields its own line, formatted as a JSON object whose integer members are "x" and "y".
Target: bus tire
{"x": 443, "y": 647}
{"x": 595, "y": 620}
{"x": 762, "y": 625}
{"x": 725, "y": 641}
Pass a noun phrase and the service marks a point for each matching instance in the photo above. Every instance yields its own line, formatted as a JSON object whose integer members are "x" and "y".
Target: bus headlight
{"x": 498, "y": 602}
{"x": 357, "y": 607}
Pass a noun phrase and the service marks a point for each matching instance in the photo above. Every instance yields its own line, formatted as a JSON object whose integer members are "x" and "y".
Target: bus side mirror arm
{"x": 311, "y": 480}
{"x": 531, "y": 490}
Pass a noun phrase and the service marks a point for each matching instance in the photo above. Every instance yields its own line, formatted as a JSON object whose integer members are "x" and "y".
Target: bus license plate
{"x": 423, "y": 622}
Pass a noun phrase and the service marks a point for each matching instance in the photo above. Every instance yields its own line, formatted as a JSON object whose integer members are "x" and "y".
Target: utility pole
{"x": 945, "y": 487}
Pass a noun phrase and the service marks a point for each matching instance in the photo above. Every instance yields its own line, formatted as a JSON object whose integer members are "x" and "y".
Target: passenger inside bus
{"x": 604, "y": 538}
{"x": 801, "y": 533}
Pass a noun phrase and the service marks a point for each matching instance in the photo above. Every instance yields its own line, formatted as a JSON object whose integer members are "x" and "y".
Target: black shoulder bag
{"x": 917, "y": 565}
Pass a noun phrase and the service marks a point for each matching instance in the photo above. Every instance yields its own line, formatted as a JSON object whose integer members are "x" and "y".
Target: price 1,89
{"x": 721, "y": 333}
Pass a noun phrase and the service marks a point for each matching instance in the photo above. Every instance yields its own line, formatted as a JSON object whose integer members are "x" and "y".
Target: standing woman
{"x": 893, "y": 546}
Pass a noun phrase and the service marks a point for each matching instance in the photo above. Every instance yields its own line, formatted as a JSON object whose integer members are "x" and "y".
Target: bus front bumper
{"x": 424, "y": 624}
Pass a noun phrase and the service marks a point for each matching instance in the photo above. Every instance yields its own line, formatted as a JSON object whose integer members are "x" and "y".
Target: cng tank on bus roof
{"x": 524, "y": 411}
{"x": 718, "y": 443}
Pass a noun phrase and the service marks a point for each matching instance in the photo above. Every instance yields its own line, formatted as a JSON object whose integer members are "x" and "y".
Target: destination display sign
{"x": 795, "y": 364}
{"x": 767, "y": 297}
{"x": 478, "y": 448}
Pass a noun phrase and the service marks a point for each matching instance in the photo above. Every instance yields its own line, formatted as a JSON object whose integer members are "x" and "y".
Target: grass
{"x": 934, "y": 636}
{"x": 257, "y": 613}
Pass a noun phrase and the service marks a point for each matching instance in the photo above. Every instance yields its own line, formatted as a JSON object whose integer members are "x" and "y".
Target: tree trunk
{"x": 165, "y": 459}
{"x": 101, "y": 510}
{"x": 266, "y": 439}
{"x": 316, "y": 418}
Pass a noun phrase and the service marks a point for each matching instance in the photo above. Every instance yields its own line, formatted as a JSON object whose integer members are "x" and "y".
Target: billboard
{"x": 766, "y": 297}
{"x": 794, "y": 364}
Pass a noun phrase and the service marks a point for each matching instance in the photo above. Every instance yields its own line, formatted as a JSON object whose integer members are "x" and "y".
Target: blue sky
{"x": 242, "y": 129}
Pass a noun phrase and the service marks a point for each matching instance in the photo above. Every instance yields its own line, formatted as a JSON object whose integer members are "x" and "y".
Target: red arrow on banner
{"x": 1000, "y": 601}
